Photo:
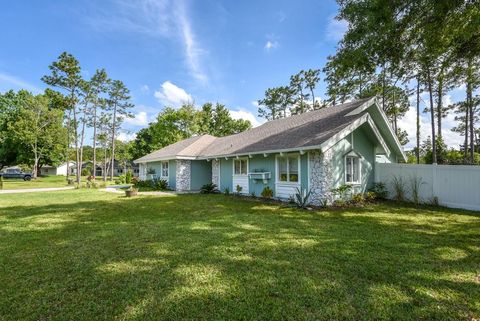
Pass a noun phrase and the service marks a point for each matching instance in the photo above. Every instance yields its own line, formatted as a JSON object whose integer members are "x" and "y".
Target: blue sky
{"x": 167, "y": 52}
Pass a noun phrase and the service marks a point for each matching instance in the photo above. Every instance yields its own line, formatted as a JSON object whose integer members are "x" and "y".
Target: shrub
{"x": 399, "y": 188}
{"x": 415, "y": 183}
{"x": 209, "y": 188}
{"x": 1, "y": 182}
{"x": 128, "y": 177}
{"x": 252, "y": 194}
{"x": 227, "y": 191}
{"x": 380, "y": 190}
{"x": 357, "y": 199}
{"x": 342, "y": 191}
{"x": 370, "y": 196}
{"x": 85, "y": 172}
{"x": 267, "y": 192}
{"x": 238, "y": 189}
{"x": 160, "y": 185}
{"x": 302, "y": 197}
{"x": 121, "y": 178}
{"x": 139, "y": 183}
{"x": 134, "y": 180}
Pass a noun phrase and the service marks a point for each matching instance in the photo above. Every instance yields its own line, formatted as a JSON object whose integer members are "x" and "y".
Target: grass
{"x": 90, "y": 255}
{"x": 41, "y": 182}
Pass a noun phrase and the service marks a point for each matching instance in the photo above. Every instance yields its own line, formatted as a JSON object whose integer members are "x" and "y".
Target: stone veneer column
{"x": 321, "y": 176}
{"x": 216, "y": 172}
{"x": 183, "y": 175}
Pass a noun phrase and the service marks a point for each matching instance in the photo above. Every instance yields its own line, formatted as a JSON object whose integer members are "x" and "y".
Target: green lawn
{"x": 91, "y": 255}
{"x": 41, "y": 182}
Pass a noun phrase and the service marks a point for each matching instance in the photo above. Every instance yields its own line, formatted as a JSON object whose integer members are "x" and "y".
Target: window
{"x": 240, "y": 166}
{"x": 164, "y": 169}
{"x": 352, "y": 169}
{"x": 288, "y": 169}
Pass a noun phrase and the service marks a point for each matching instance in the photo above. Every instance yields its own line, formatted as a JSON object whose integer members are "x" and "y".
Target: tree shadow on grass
{"x": 214, "y": 257}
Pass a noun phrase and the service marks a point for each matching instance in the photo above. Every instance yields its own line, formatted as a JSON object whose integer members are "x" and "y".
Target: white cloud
{"x": 244, "y": 114}
{"x": 156, "y": 19}
{"x": 139, "y": 119}
{"x": 336, "y": 29}
{"x": 281, "y": 16}
{"x": 409, "y": 123}
{"x": 145, "y": 89}
{"x": 192, "y": 49}
{"x": 270, "y": 45}
{"x": 126, "y": 137}
{"x": 16, "y": 83}
{"x": 172, "y": 95}
{"x": 255, "y": 103}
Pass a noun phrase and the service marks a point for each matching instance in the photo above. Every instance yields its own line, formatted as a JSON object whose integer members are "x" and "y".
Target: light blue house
{"x": 317, "y": 151}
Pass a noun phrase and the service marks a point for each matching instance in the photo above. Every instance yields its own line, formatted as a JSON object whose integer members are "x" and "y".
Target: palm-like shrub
{"x": 209, "y": 188}
{"x": 302, "y": 197}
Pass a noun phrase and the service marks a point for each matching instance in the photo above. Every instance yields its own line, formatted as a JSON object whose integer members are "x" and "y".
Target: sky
{"x": 169, "y": 52}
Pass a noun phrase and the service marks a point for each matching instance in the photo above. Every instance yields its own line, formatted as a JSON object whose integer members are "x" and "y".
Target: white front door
{"x": 240, "y": 175}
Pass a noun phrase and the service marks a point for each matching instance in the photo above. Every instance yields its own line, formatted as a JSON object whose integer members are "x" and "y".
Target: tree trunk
{"x": 35, "y": 160}
{"x": 67, "y": 154}
{"x": 465, "y": 147}
{"x": 418, "y": 120}
{"x": 432, "y": 114}
{"x": 470, "y": 108}
{"x": 113, "y": 141}
{"x": 439, "y": 107}
{"x": 313, "y": 97}
{"x": 104, "y": 173}
{"x": 94, "y": 142}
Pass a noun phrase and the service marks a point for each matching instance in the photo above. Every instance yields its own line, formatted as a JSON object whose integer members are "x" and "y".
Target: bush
{"x": 238, "y": 189}
{"x": 342, "y": 191}
{"x": 380, "y": 190}
{"x": 209, "y": 188}
{"x": 121, "y": 178}
{"x": 128, "y": 177}
{"x": 134, "y": 180}
{"x": 302, "y": 197}
{"x": 267, "y": 192}
{"x": 85, "y": 172}
{"x": 370, "y": 196}
{"x": 357, "y": 199}
{"x": 399, "y": 188}
{"x": 160, "y": 185}
{"x": 1, "y": 182}
{"x": 227, "y": 191}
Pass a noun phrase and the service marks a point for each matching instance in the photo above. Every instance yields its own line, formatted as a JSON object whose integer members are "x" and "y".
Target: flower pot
{"x": 130, "y": 193}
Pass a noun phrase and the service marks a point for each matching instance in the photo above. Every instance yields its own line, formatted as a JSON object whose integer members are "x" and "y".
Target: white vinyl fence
{"x": 453, "y": 185}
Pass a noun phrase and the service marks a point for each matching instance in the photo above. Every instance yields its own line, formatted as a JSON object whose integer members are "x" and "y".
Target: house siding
{"x": 172, "y": 174}
{"x": 226, "y": 174}
{"x": 258, "y": 163}
{"x": 365, "y": 148}
{"x": 201, "y": 174}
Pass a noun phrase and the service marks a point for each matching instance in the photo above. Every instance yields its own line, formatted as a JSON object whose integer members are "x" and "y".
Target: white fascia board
{"x": 363, "y": 107}
{"x": 159, "y": 159}
{"x": 397, "y": 142}
{"x": 379, "y": 136}
{"x": 266, "y": 152}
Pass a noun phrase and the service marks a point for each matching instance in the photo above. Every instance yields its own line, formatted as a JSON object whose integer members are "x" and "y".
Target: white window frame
{"x": 359, "y": 169}
{"x": 167, "y": 168}
{"x": 277, "y": 169}
{"x": 240, "y": 159}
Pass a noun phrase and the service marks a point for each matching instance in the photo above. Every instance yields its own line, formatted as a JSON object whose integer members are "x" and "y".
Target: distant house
{"x": 318, "y": 151}
{"x": 119, "y": 168}
{"x": 57, "y": 170}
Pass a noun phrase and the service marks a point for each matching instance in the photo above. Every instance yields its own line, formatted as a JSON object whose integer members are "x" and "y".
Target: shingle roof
{"x": 299, "y": 131}
{"x": 190, "y": 147}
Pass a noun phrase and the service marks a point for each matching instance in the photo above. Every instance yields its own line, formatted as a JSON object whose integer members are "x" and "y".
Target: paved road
{"x": 33, "y": 190}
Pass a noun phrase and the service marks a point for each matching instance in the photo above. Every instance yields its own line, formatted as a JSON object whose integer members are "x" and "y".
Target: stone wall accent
{"x": 216, "y": 172}
{"x": 183, "y": 175}
{"x": 321, "y": 176}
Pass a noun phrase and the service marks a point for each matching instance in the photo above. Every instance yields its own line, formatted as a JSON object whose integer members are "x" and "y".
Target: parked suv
{"x": 16, "y": 173}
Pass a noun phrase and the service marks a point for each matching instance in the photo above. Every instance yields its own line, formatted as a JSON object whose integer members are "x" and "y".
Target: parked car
{"x": 16, "y": 173}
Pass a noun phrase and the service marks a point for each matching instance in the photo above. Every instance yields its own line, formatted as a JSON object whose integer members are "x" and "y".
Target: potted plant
{"x": 132, "y": 191}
